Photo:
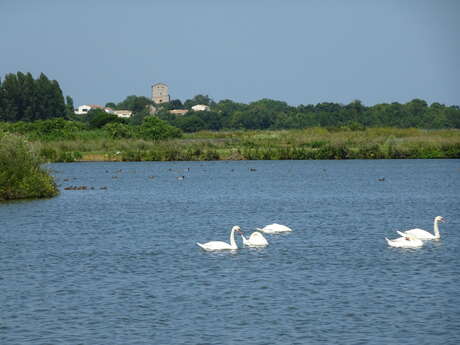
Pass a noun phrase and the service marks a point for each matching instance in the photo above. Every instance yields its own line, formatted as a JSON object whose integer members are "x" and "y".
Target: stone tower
{"x": 160, "y": 93}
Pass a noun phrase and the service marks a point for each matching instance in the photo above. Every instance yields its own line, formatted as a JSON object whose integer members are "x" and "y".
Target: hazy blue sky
{"x": 300, "y": 52}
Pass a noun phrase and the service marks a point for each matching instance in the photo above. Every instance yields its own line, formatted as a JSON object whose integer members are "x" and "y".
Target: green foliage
{"x": 155, "y": 129}
{"x": 310, "y": 143}
{"x": 46, "y": 130}
{"x": 24, "y": 99}
{"x": 173, "y": 104}
{"x": 98, "y": 118}
{"x": 198, "y": 99}
{"x": 134, "y": 103}
{"x": 190, "y": 123}
{"x": 20, "y": 173}
{"x": 69, "y": 106}
{"x": 272, "y": 114}
{"x": 138, "y": 118}
{"x": 119, "y": 130}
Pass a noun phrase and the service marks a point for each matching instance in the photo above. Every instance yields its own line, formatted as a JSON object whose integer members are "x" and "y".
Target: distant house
{"x": 84, "y": 109}
{"x": 178, "y": 111}
{"x": 200, "y": 107}
{"x": 123, "y": 113}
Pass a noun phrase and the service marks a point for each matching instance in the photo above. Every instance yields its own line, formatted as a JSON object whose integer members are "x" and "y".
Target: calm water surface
{"x": 120, "y": 266}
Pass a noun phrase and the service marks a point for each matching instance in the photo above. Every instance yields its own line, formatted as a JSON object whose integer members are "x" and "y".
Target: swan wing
{"x": 266, "y": 230}
{"x": 257, "y": 239}
{"x": 215, "y": 245}
{"x": 399, "y": 239}
{"x": 401, "y": 242}
{"x": 419, "y": 233}
{"x": 274, "y": 228}
{"x": 390, "y": 242}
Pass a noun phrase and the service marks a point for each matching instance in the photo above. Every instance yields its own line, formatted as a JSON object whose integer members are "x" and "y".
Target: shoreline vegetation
{"x": 305, "y": 144}
{"x": 21, "y": 174}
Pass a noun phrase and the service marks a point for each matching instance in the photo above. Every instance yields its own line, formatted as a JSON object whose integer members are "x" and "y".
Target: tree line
{"x": 273, "y": 114}
{"x": 23, "y": 98}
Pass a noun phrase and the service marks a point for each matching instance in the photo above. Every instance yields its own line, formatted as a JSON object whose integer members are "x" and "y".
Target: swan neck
{"x": 436, "y": 229}
{"x": 232, "y": 239}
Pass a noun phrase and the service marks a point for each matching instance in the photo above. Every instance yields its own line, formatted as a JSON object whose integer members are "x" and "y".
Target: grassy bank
{"x": 21, "y": 176}
{"x": 311, "y": 143}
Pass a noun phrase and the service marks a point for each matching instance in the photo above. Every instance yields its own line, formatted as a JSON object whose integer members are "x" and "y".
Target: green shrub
{"x": 98, "y": 118}
{"x": 155, "y": 129}
{"x": 119, "y": 130}
{"x": 47, "y": 130}
{"x": 20, "y": 173}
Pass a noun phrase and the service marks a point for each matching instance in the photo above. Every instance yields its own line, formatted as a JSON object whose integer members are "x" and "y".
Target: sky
{"x": 300, "y": 52}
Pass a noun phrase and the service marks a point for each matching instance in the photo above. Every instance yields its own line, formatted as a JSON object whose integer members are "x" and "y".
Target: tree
{"x": 174, "y": 104}
{"x": 135, "y": 103}
{"x": 190, "y": 123}
{"x": 453, "y": 116}
{"x": 198, "y": 99}
{"x": 98, "y": 118}
{"x": 252, "y": 119}
{"x": 44, "y": 94}
{"x": 119, "y": 130}
{"x": 26, "y": 99}
{"x": 228, "y": 107}
{"x": 69, "y": 106}
{"x": 11, "y": 94}
{"x": 155, "y": 129}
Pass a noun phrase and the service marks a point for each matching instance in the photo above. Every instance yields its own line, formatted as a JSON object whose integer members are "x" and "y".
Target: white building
{"x": 126, "y": 114}
{"x": 178, "y": 111}
{"x": 84, "y": 109}
{"x": 200, "y": 107}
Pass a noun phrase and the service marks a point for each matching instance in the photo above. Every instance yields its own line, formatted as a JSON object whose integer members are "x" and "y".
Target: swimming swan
{"x": 425, "y": 235}
{"x": 255, "y": 240}
{"x": 405, "y": 241}
{"x": 274, "y": 229}
{"x": 219, "y": 245}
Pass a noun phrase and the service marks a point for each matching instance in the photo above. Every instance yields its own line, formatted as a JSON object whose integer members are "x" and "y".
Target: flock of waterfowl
{"x": 413, "y": 238}
{"x": 256, "y": 239}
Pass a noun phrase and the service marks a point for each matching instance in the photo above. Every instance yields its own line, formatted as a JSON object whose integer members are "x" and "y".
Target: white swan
{"x": 255, "y": 240}
{"x": 405, "y": 241}
{"x": 219, "y": 245}
{"x": 425, "y": 235}
{"x": 274, "y": 229}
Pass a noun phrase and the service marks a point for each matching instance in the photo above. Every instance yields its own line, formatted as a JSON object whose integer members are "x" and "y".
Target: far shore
{"x": 306, "y": 144}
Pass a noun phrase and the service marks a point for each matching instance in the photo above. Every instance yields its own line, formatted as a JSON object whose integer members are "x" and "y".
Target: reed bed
{"x": 311, "y": 143}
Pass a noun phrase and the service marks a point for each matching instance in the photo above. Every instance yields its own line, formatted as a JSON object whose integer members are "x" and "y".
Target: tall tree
{"x": 26, "y": 99}
{"x": 70, "y": 109}
{"x": 11, "y": 94}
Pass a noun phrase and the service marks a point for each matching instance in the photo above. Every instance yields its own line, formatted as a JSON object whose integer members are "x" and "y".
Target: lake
{"x": 118, "y": 263}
